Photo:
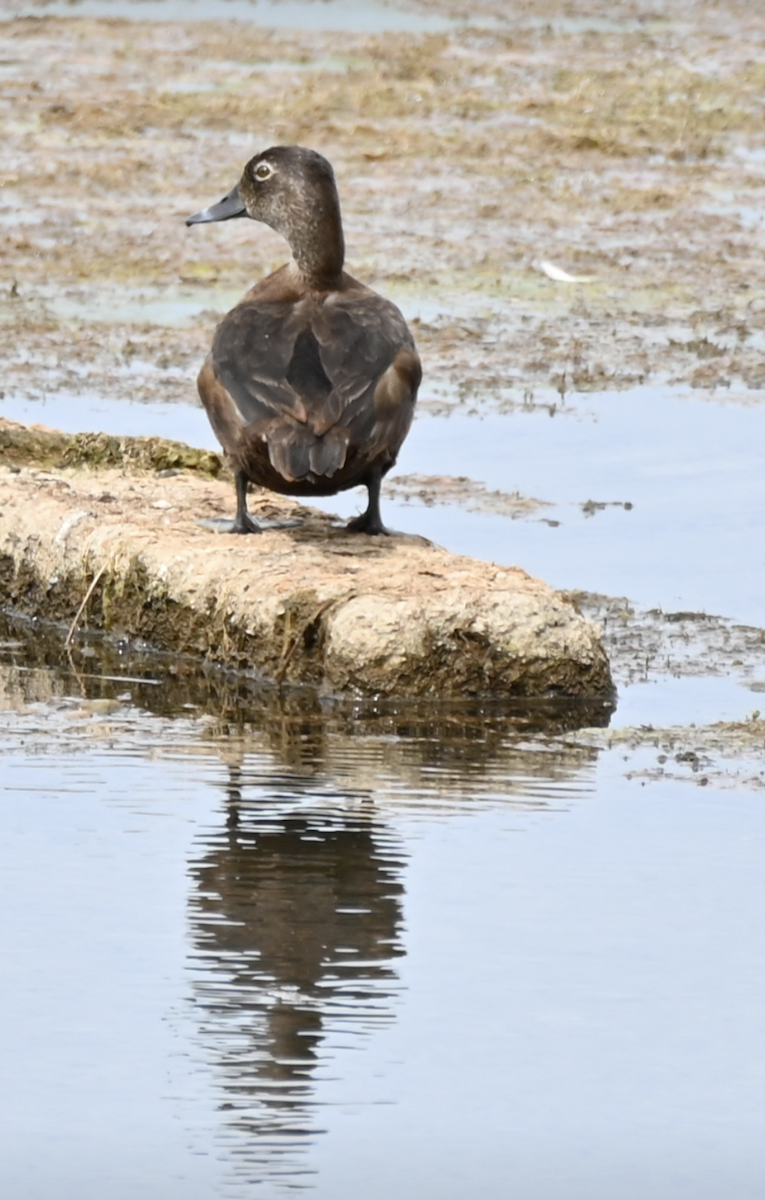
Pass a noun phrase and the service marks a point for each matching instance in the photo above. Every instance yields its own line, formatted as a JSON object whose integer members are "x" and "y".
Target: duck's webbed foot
{"x": 366, "y": 524}
{"x": 243, "y": 522}
{"x": 370, "y": 522}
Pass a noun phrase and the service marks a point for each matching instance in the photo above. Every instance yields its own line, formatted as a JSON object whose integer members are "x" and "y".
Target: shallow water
{"x": 261, "y": 945}
{"x": 324, "y": 953}
{"x": 371, "y": 16}
{"x": 166, "y": 306}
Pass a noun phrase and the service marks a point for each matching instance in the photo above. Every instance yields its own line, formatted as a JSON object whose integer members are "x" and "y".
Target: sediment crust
{"x": 312, "y": 604}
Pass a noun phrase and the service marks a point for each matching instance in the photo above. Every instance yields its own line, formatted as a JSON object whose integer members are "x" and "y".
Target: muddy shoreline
{"x": 631, "y": 154}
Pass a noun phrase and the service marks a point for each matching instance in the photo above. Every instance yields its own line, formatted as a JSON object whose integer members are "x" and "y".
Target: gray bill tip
{"x": 226, "y": 209}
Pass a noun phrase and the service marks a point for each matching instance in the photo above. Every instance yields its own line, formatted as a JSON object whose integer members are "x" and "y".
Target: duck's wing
{"x": 252, "y": 352}
{"x": 308, "y": 360}
{"x": 314, "y": 377}
{"x": 359, "y": 339}
{"x": 305, "y": 373}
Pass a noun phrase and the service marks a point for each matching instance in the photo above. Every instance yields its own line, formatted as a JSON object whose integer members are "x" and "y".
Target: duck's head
{"x": 293, "y": 190}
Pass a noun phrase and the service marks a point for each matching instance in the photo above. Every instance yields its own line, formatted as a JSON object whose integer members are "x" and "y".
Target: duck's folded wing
{"x": 359, "y": 339}
{"x": 252, "y": 351}
{"x": 316, "y": 363}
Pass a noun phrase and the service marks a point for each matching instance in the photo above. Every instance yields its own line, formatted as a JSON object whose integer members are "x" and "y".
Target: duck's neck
{"x": 318, "y": 245}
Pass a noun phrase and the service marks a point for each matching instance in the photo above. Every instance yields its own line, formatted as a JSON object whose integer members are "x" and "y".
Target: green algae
{"x": 49, "y": 449}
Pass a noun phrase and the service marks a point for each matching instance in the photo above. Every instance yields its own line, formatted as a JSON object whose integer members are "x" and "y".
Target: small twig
{"x": 81, "y": 609}
{"x": 75, "y": 672}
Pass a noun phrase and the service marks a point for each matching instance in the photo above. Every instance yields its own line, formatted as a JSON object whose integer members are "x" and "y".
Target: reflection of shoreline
{"x": 413, "y": 750}
{"x": 102, "y": 666}
{"x": 295, "y": 920}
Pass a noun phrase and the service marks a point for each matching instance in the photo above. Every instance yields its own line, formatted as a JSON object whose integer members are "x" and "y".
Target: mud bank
{"x": 120, "y": 544}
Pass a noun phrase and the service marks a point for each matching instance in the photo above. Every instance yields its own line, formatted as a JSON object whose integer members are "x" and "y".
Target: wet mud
{"x": 654, "y": 646}
{"x": 467, "y": 160}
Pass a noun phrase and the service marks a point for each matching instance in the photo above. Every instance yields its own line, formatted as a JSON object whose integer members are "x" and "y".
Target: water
{"x": 161, "y": 306}
{"x": 335, "y": 951}
{"x": 371, "y": 16}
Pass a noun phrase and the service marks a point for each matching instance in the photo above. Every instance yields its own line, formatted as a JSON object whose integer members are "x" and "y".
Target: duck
{"x": 311, "y": 382}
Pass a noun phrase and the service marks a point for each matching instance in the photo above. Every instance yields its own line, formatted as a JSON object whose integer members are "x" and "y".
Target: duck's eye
{"x": 263, "y": 171}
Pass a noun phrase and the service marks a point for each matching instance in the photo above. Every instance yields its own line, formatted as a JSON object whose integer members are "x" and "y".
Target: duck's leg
{"x": 243, "y": 522}
{"x": 370, "y": 521}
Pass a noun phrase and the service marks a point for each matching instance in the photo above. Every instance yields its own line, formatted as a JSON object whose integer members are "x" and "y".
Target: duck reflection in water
{"x": 295, "y": 919}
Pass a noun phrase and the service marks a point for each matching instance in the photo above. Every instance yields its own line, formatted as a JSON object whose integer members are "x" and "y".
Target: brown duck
{"x": 311, "y": 382}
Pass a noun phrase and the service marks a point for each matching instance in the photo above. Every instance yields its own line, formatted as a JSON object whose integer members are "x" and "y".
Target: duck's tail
{"x": 298, "y": 453}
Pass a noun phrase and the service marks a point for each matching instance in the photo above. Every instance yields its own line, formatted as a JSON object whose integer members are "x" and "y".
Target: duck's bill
{"x": 230, "y": 206}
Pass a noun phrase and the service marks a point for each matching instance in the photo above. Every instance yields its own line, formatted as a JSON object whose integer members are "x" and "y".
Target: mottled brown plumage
{"x": 311, "y": 382}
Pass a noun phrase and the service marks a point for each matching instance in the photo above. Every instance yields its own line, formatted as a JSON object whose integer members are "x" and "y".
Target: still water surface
{"x": 346, "y": 952}
{"x": 358, "y": 16}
